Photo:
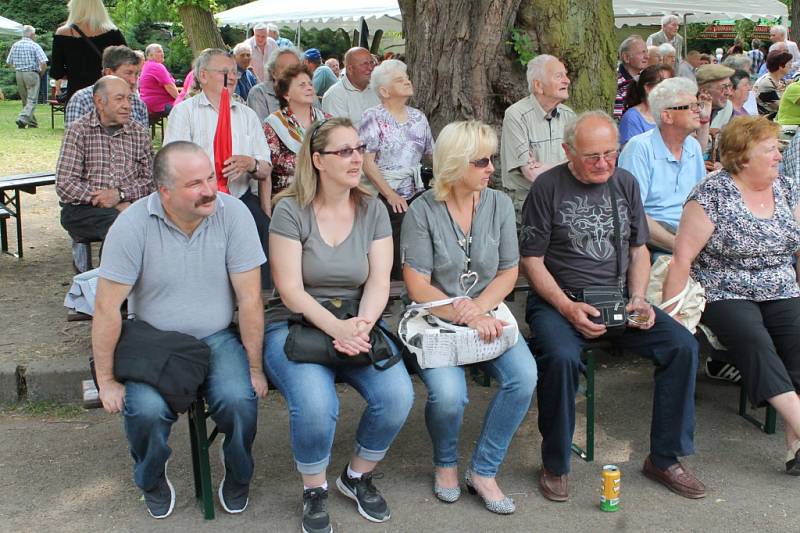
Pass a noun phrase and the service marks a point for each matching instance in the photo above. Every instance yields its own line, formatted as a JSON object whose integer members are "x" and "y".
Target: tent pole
{"x": 685, "y": 35}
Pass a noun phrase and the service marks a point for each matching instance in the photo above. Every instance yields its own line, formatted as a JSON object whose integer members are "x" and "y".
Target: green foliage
{"x": 45, "y": 409}
{"x": 522, "y": 46}
{"x": 44, "y": 15}
{"x": 329, "y": 42}
{"x": 744, "y": 30}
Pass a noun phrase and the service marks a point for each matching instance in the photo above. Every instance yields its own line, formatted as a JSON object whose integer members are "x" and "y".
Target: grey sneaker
{"x": 371, "y": 504}
{"x": 233, "y": 496}
{"x": 315, "y": 511}
{"x": 160, "y": 501}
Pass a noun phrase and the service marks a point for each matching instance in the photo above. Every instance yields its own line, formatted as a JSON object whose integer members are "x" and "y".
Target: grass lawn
{"x": 28, "y": 150}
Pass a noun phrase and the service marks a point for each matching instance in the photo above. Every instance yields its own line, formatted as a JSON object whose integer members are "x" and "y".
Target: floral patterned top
{"x": 746, "y": 258}
{"x": 283, "y": 157}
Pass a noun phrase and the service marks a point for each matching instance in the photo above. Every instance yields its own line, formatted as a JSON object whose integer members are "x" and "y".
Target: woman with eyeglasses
{"x": 286, "y": 128}
{"x": 331, "y": 242}
{"x": 459, "y": 239}
{"x": 397, "y": 138}
{"x": 738, "y": 236}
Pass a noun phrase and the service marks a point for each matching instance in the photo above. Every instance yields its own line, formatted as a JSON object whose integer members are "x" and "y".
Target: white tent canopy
{"x": 635, "y": 12}
{"x": 9, "y": 27}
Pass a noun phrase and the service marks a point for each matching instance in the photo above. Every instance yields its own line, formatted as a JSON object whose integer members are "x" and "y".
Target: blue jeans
{"x": 232, "y": 404}
{"x": 310, "y": 393}
{"x": 515, "y": 371}
{"x": 558, "y": 352}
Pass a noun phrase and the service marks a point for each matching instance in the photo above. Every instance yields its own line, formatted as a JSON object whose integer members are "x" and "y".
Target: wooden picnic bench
{"x": 10, "y": 187}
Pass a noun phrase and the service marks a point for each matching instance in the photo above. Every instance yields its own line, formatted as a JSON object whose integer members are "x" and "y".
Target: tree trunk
{"x": 794, "y": 16}
{"x": 463, "y": 66}
{"x": 201, "y": 29}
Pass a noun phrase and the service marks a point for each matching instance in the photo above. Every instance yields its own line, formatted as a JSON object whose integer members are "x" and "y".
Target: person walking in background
{"x": 30, "y": 62}
{"x": 78, "y": 45}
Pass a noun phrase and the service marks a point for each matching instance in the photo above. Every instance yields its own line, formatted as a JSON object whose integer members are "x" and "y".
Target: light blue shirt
{"x": 664, "y": 182}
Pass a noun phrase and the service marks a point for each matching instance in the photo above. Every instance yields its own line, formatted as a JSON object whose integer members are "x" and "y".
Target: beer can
{"x": 609, "y": 494}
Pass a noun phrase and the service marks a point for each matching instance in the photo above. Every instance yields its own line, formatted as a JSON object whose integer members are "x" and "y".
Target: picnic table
{"x": 11, "y": 207}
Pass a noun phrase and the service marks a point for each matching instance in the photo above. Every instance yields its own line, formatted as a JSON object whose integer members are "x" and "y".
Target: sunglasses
{"x": 346, "y": 152}
{"x": 482, "y": 162}
{"x": 694, "y": 106}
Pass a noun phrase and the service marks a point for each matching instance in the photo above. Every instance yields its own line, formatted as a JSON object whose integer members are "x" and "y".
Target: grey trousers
{"x": 28, "y": 87}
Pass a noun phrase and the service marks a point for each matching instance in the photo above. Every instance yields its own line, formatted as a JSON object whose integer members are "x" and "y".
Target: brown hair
{"x": 739, "y": 137}
{"x": 282, "y": 87}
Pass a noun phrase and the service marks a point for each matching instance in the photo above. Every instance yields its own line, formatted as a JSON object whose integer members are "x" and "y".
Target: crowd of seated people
{"x": 323, "y": 201}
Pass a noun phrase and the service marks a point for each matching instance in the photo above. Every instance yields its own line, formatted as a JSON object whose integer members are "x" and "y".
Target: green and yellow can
{"x": 609, "y": 494}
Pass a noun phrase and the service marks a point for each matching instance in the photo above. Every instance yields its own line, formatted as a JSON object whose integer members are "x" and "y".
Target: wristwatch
{"x": 122, "y": 196}
{"x": 255, "y": 168}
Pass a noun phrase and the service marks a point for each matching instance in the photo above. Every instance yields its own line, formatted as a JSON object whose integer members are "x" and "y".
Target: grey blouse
{"x": 430, "y": 241}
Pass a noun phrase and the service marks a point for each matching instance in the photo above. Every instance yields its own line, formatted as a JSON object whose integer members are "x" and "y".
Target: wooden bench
{"x": 10, "y": 187}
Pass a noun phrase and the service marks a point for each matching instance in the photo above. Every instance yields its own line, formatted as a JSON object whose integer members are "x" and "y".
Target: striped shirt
{"x": 94, "y": 159}
{"x": 624, "y": 81}
{"x": 82, "y": 102}
{"x": 26, "y": 55}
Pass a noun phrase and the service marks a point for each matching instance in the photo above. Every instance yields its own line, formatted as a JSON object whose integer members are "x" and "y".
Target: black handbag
{"x": 306, "y": 343}
{"x": 610, "y": 300}
{"x": 175, "y": 364}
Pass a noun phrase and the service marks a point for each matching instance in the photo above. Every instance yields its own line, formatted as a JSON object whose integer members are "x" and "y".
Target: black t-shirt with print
{"x": 570, "y": 224}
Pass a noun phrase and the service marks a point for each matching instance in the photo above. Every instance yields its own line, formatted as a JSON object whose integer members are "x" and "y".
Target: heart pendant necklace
{"x": 468, "y": 278}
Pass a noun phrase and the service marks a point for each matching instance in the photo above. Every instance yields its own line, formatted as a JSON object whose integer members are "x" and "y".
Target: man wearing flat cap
{"x": 715, "y": 81}
{"x": 323, "y": 77}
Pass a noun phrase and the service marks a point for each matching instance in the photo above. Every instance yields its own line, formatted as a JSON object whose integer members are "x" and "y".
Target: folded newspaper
{"x": 80, "y": 296}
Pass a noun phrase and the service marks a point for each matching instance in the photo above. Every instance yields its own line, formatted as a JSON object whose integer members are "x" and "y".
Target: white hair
{"x": 738, "y": 62}
{"x": 668, "y": 93}
{"x": 778, "y": 28}
{"x": 537, "y": 68}
{"x": 625, "y": 46}
{"x": 241, "y": 47}
{"x": 150, "y": 47}
{"x": 382, "y": 74}
{"x": 278, "y": 52}
{"x": 666, "y": 49}
{"x": 780, "y": 45}
{"x": 571, "y": 129}
{"x": 670, "y": 18}
{"x": 259, "y": 26}
{"x": 28, "y": 31}
{"x": 272, "y": 27}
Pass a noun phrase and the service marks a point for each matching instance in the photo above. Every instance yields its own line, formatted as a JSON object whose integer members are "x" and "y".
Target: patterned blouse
{"x": 283, "y": 158}
{"x": 746, "y": 258}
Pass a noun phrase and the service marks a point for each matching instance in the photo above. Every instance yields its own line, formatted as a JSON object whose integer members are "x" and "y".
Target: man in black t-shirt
{"x": 567, "y": 245}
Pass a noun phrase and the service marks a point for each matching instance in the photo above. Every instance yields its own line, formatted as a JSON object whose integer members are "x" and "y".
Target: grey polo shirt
{"x": 181, "y": 283}
{"x": 525, "y": 124}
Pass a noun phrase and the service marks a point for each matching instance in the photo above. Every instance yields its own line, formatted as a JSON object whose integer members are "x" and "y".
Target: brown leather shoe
{"x": 676, "y": 478}
{"x": 553, "y": 487}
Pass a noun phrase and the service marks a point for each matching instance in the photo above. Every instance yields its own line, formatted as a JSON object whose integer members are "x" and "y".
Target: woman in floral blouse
{"x": 738, "y": 234}
{"x": 286, "y": 128}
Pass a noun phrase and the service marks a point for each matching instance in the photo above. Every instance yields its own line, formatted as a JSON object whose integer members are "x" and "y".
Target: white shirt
{"x": 195, "y": 120}
{"x": 258, "y": 60}
{"x": 345, "y": 100}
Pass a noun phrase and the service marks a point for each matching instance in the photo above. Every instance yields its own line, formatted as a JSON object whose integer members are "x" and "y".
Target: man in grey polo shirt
{"x": 533, "y": 128}
{"x": 185, "y": 256}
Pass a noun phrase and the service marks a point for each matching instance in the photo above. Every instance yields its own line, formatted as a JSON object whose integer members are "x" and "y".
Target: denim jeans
{"x": 310, "y": 393}
{"x": 515, "y": 371}
{"x": 232, "y": 404}
{"x": 558, "y": 346}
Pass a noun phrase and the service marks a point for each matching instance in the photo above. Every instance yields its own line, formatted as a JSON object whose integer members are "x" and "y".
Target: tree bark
{"x": 201, "y": 29}
{"x": 794, "y": 16}
{"x": 463, "y": 66}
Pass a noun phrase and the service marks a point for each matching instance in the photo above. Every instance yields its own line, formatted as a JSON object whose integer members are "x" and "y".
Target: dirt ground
{"x": 34, "y": 322}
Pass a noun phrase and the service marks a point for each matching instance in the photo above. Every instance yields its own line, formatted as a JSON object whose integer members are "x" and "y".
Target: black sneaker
{"x": 315, "y": 511}
{"x": 371, "y": 504}
{"x": 722, "y": 371}
{"x": 20, "y": 124}
{"x": 233, "y": 496}
{"x": 161, "y": 500}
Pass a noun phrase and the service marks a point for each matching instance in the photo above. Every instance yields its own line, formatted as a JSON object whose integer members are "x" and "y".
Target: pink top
{"x": 151, "y": 86}
{"x": 187, "y": 85}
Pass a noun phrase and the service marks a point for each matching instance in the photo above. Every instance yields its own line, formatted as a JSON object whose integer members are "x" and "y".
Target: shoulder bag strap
{"x": 88, "y": 41}
{"x": 617, "y": 234}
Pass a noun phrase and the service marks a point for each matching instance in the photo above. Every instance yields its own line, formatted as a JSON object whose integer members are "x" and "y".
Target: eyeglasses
{"x": 694, "y": 106}
{"x": 482, "y": 162}
{"x": 346, "y": 152}
{"x": 593, "y": 159}
{"x": 230, "y": 72}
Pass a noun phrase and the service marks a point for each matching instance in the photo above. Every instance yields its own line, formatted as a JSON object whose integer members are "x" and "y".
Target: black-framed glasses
{"x": 345, "y": 153}
{"x": 694, "y": 106}
{"x": 482, "y": 162}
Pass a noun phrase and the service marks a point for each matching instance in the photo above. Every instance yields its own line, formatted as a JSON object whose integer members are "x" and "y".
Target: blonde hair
{"x": 304, "y": 187}
{"x": 92, "y": 13}
{"x": 457, "y": 145}
{"x": 740, "y": 136}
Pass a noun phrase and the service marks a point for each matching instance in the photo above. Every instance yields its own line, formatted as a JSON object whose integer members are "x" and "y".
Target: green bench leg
{"x": 770, "y": 417}
{"x": 198, "y": 436}
{"x": 588, "y": 454}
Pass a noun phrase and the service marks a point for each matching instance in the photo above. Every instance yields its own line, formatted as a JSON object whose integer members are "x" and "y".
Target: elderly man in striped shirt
{"x": 30, "y": 62}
